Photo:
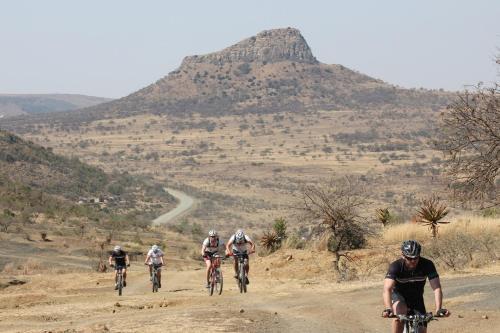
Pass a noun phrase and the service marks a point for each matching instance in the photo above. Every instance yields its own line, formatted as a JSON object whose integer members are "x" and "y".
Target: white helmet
{"x": 117, "y": 248}
{"x": 239, "y": 236}
{"x": 155, "y": 248}
{"x": 212, "y": 233}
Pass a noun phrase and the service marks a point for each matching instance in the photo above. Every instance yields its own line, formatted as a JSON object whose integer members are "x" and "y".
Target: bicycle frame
{"x": 215, "y": 277}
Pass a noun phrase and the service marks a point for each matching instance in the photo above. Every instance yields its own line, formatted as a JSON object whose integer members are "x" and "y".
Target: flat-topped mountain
{"x": 268, "y": 46}
{"x": 271, "y": 72}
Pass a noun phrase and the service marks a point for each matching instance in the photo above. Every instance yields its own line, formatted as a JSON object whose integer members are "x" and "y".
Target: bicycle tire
{"x": 212, "y": 282}
{"x": 120, "y": 284}
{"x": 155, "y": 282}
{"x": 221, "y": 281}
{"x": 241, "y": 277}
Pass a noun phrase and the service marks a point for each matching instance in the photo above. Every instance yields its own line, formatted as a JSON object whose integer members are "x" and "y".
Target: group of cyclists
{"x": 238, "y": 244}
{"x": 403, "y": 284}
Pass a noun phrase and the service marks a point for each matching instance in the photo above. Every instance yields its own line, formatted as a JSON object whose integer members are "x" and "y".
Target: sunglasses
{"x": 411, "y": 259}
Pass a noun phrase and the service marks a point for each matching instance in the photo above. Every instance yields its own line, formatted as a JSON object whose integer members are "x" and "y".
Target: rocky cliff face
{"x": 268, "y": 46}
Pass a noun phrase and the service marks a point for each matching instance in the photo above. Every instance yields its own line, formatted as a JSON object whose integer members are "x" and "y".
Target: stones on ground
{"x": 289, "y": 257}
{"x": 484, "y": 316}
{"x": 241, "y": 310}
{"x": 460, "y": 316}
{"x": 267, "y": 269}
{"x": 117, "y": 304}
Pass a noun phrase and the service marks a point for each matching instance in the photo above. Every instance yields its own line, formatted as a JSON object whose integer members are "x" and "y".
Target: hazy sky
{"x": 111, "y": 48}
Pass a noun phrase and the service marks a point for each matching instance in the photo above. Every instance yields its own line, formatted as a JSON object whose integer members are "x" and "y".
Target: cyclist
{"x": 404, "y": 285}
{"x": 154, "y": 257}
{"x": 121, "y": 263}
{"x": 209, "y": 247}
{"x": 238, "y": 244}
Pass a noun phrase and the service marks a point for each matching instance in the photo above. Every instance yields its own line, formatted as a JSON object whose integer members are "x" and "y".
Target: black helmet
{"x": 411, "y": 248}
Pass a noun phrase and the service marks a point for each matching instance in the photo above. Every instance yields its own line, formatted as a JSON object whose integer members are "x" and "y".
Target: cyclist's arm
{"x": 203, "y": 249}
{"x": 228, "y": 246}
{"x": 127, "y": 260}
{"x": 389, "y": 285}
{"x": 147, "y": 259}
{"x": 438, "y": 293}
{"x": 252, "y": 246}
{"x": 110, "y": 260}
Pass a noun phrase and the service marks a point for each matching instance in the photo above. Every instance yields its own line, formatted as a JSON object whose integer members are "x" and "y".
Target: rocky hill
{"x": 20, "y": 104}
{"x": 270, "y": 72}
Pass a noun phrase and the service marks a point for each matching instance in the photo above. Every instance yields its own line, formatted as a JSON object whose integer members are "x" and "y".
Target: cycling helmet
{"x": 239, "y": 236}
{"x": 155, "y": 248}
{"x": 117, "y": 248}
{"x": 411, "y": 248}
{"x": 212, "y": 233}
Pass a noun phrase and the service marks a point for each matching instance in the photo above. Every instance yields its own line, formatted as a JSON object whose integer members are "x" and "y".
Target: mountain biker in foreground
{"x": 209, "y": 247}
{"x": 238, "y": 244}
{"x": 404, "y": 285}
{"x": 121, "y": 260}
{"x": 154, "y": 257}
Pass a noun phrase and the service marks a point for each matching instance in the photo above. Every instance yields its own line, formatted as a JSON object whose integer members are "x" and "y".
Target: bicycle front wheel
{"x": 120, "y": 284}
{"x": 220, "y": 281}
{"x": 212, "y": 282}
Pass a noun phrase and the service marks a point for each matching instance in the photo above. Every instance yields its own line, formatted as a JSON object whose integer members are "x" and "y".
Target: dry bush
{"x": 399, "y": 232}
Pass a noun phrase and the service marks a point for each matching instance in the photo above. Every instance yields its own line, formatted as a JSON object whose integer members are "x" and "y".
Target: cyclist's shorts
{"x": 117, "y": 268}
{"x": 244, "y": 253}
{"x": 208, "y": 254}
{"x": 414, "y": 304}
{"x": 157, "y": 266}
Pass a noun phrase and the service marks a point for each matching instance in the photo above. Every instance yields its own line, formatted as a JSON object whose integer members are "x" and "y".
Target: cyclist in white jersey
{"x": 154, "y": 257}
{"x": 238, "y": 244}
{"x": 209, "y": 247}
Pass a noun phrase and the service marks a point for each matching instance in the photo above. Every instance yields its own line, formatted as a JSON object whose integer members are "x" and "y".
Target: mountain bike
{"x": 413, "y": 322}
{"x": 215, "y": 276}
{"x": 119, "y": 278}
{"x": 242, "y": 274}
{"x": 155, "y": 280}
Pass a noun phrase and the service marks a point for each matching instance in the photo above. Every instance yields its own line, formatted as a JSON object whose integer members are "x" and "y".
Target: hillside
{"x": 34, "y": 180}
{"x": 22, "y": 104}
{"x": 273, "y": 71}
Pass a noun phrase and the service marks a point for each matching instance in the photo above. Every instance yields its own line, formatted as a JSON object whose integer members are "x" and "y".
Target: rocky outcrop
{"x": 268, "y": 46}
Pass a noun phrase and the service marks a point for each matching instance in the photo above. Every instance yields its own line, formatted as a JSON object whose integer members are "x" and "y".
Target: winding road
{"x": 185, "y": 203}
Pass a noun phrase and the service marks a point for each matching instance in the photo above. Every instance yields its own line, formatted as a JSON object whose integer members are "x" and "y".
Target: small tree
{"x": 383, "y": 216}
{"x": 280, "y": 228}
{"x": 430, "y": 213}
{"x": 272, "y": 240}
{"x": 471, "y": 143}
{"x": 336, "y": 207}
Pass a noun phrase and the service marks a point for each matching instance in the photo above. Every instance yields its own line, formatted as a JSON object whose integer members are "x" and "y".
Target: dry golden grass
{"x": 474, "y": 225}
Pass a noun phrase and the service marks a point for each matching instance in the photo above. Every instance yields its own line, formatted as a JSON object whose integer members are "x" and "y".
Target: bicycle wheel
{"x": 220, "y": 280}
{"x": 155, "y": 282}
{"x": 241, "y": 278}
{"x": 120, "y": 284}
{"x": 211, "y": 280}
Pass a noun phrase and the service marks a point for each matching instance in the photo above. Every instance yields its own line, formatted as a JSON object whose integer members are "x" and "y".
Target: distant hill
{"x": 19, "y": 104}
{"x": 26, "y": 163}
{"x": 271, "y": 72}
{"x": 34, "y": 179}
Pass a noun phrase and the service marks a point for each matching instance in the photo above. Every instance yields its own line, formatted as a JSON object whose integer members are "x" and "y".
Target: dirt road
{"x": 185, "y": 203}
{"x": 87, "y": 303}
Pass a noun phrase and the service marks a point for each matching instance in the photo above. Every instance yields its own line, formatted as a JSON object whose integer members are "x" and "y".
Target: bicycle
{"x": 413, "y": 322}
{"x": 215, "y": 275}
{"x": 242, "y": 274}
{"x": 155, "y": 281}
{"x": 119, "y": 278}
